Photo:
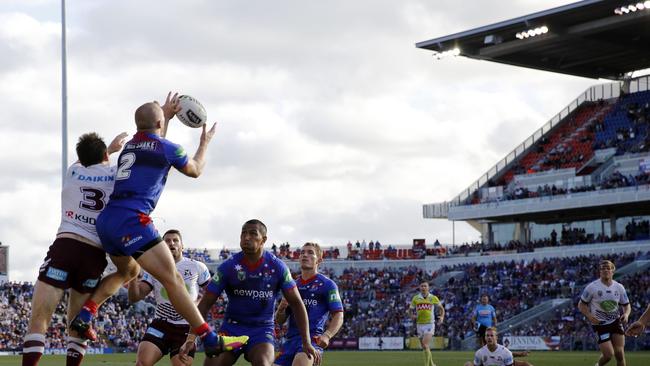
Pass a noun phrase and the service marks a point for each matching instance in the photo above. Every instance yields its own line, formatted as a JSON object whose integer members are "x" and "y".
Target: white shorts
{"x": 425, "y": 328}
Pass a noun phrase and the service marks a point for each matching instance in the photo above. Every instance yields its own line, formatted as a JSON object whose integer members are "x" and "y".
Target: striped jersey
{"x": 194, "y": 273}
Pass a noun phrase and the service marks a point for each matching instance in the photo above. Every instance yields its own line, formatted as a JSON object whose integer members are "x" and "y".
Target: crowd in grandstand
{"x": 376, "y": 302}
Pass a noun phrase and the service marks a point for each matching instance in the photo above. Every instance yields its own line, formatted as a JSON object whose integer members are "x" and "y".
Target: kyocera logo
{"x": 81, "y": 218}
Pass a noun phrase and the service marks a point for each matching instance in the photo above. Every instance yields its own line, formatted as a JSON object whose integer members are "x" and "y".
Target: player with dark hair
{"x": 599, "y": 303}
{"x": 483, "y": 317}
{"x": 322, "y": 301}
{"x": 86, "y": 187}
{"x": 127, "y": 232}
{"x": 167, "y": 332}
{"x": 252, "y": 279}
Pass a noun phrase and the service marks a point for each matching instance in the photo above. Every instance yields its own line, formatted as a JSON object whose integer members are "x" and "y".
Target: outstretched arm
{"x": 170, "y": 108}
{"x": 194, "y": 166}
{"x": 117, "y": 143}
{"x": 636, "y": 328}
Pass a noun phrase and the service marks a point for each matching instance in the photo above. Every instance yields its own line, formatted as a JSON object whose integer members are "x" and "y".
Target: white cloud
{"x": 332, "y": 125}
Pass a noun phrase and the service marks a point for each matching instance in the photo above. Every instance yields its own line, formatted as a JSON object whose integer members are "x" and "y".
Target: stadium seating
{"x": 376, "y": 302}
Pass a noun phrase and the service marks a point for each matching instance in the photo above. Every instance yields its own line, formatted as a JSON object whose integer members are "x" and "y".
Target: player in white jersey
{"x": 168, "y": 330}
{"x": 86, "y": 188}
{"x": 492, "y": 354}
{"x": 599, "y": 303}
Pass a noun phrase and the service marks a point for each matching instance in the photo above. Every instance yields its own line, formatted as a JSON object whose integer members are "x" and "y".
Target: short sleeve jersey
{"x": 604, "y": 300}
{"x": 500, "y": 357}
{"x": 194, "y": 273}
{"x": 321, "y": 297}
{"x": 252, "y": 288}
{"x": 424, "y": 307}
{"x": 142, "y": 171}
{"x": 484, "y": 314}
{"x": 84, "y": 195}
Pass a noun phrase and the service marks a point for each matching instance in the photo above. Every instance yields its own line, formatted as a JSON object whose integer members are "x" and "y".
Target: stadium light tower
{"x": 64, "y": 98}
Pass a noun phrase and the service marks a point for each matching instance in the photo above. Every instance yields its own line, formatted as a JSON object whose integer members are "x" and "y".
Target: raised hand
{"x": 117, "y": 143}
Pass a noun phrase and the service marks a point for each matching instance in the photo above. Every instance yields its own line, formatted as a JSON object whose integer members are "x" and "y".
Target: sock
{"x": 33, "y": 348}
{"x": 88, "y": 311}
{"x": 427, "y": 357}
{"x": 76, "y": 351}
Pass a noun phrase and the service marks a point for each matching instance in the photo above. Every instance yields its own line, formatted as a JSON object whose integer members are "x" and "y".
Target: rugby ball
{"x": 192, "y": 113}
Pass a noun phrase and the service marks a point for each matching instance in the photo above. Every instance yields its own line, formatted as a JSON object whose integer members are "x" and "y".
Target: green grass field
{"x": 363, "y": 358}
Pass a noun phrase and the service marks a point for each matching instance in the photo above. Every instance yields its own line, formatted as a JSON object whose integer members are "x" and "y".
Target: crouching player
{"x": 492, "y": 354}
{"x": 321, "y": 297}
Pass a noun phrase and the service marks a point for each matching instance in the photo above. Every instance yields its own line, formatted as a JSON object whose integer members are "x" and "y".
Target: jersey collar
{"x": 252, "y": 266}
{"x": 309, "y": 280}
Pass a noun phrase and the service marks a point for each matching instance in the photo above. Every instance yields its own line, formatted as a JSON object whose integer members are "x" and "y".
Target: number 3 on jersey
{"x": 126, "y": 161}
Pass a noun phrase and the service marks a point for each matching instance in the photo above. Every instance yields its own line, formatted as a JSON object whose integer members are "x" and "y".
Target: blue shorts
{"x": 126, "y": 232}
{"x": 256, "y": 334}
{"x": 290, "y": 349}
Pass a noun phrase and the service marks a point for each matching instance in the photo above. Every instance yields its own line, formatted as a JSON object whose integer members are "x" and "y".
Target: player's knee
{"x": 619, "y": 354}
{"x": 606, "y": 357}
{"x": 142, "y": 363}
{"x": 302, "y": 359}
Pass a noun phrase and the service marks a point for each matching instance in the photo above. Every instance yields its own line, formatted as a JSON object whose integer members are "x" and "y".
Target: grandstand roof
{"x": 586, "y": 39}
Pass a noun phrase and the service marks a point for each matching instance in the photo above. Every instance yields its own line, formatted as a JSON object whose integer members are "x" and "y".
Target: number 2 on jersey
{"x": 126, "y": 161}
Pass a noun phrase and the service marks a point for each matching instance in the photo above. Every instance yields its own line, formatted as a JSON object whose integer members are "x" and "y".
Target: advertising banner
{"x": 344, "y": 343}
{"x": 436, "y": 343}
{"x": 375, "y": 343}
{"x": 532, "y": 343}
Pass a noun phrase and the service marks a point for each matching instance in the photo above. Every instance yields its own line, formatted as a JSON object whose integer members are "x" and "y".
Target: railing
{"x": 592, "y": 94}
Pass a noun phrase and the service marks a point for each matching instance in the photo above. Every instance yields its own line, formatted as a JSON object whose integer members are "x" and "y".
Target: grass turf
{"x": 370, "y": 358}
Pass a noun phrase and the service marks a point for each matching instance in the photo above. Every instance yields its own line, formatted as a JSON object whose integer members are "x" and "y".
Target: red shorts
{"x": 73, "y": 264}
{"x": 167, "y": 337}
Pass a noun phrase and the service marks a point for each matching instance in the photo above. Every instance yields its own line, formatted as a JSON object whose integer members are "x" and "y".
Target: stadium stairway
{"x": 546, "y": 308}
{"x": 443, "y": 279}
{"x": 633, "y": 268}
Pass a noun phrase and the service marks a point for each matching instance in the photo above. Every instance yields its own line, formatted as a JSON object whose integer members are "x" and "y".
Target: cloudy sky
{"x": 332, "y": 126}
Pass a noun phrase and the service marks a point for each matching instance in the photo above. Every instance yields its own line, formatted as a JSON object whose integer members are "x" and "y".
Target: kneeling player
{"x": 492, "y": 354}
{"x": 321, "y": 297}
{"x": 168, "y": 330}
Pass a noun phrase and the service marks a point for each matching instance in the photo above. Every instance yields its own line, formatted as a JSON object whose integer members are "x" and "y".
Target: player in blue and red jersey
{"x": 321, "y": 298}
{"x": 127, "y": 232}
{"x": 252, "y": 279}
